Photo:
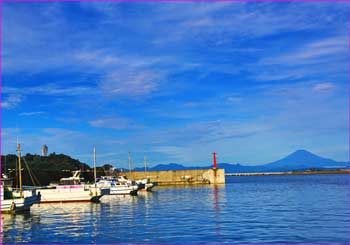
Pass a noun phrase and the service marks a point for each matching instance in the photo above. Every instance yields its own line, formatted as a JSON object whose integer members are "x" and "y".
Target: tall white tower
{"x": 44, "y": 151}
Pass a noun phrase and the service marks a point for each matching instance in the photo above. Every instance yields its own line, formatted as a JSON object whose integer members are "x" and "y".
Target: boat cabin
{"x": 74, "y": 180}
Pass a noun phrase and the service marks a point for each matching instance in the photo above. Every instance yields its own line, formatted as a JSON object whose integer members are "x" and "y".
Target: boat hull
{"x": 18, "y": 205}
{"x": 145, "y": 185}
{"x": 123, "y": 190}
{"x": 61, "y": 194}
{"x": 148, "y": 187}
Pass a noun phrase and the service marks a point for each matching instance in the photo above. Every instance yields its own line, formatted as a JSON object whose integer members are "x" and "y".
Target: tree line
{"x": 43, "y": 170}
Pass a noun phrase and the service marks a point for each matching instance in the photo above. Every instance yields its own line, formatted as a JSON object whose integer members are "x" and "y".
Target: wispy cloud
{"x": 62, "y": 132}
{"x": 50, "y": 89}
{"x": 173, "y": 153}
{"x": 118, "y": 123}
{"x": 129, "y": 76}
{"x": 234, "y": 99}
{"x": 319, "y": 51}
{"x": 241, "y": 20}
{"x": 322, "y": 87}
{"x": 320, "y": 57}
{"x": 130, "y": 82}
{"x": 32, "y": 113}
{"x": 12, "y": 101}
{"x": 18, "y": 94}
{"x": 53, "y": 89}
{"x": 232, "y": 76}
{"x": 205, "y": 132}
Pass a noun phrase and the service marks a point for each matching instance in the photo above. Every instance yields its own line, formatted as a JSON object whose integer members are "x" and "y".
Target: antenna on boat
{"x": 20, "y": 170}
{"x": 95, "y": 164}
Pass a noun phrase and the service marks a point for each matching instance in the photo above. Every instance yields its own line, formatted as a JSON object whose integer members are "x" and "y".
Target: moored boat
{"x": 145, "y": 184}
{"x": 16, "y": 200}
{"x": 12, "y": 202}
{"x": 72, "y": 189}
{"x": 117, "y": 187}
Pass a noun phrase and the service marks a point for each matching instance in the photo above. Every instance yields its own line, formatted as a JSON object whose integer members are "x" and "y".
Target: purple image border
{"x": 174, "y": 1}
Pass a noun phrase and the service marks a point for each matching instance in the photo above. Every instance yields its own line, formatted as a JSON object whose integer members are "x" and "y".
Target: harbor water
{"x": 259, "y": 209}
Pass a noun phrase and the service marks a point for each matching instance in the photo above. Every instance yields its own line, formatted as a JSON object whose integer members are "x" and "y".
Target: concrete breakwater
{"x": 181, "y": 177}
{"x": 295, "y": 172}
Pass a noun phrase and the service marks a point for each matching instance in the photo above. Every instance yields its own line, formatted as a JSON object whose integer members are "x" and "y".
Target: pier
{"x": 181, "y": 177}
{"x": 295, "y": 172}
{"x": 258, "y": 174}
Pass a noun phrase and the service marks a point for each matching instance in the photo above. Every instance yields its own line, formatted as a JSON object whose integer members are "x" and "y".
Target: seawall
{"x": 181, "y": 177}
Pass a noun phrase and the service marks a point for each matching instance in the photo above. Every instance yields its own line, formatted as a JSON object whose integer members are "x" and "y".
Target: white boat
{"x": 145, "y": 184}
{"x": 71, "y": 189}
{"x": 12, "y": 202}
{"x": 116, "y": 187}
{"x": 16, "y": 200}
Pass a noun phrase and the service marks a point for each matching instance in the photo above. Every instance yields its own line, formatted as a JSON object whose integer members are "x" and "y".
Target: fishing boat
{"x": 15, "y": 200}
{"x": 72, "y": 189}
{"x": 117, "y": 187}
{"x": 145, "y": 184}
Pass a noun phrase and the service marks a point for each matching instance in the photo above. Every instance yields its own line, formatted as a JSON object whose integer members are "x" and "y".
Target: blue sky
{"x": 176, "y": 81}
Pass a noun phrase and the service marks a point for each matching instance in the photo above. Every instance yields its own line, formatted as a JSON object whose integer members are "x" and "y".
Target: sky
{"x": 176, "y": 81}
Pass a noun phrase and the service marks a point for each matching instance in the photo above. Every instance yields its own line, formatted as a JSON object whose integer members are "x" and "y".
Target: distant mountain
{"x": 298, "y": 160}
{"x": 303, "y": 159}
{"x": 170, "y": 166}
{"x": 238, "y": 168}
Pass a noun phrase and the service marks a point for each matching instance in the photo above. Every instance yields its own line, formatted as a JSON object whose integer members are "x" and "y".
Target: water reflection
{"x": 145, "y": 198}
{"x": 217, "y": 209}
{"x": 18, "y": 226}
{"x": 260, "y": 211}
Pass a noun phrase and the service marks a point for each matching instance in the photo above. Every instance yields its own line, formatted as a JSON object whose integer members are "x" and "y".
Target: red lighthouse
{"x": 214, "y": 156}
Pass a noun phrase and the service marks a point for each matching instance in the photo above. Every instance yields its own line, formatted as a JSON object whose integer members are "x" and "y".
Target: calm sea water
{"x": 265, "y": 209}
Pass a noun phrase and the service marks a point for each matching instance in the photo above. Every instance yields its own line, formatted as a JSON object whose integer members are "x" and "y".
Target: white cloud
{"x": 235, "y": 21}
{"x": 273, "y": 74}
{"x": 113, "y": 123}
{"x": 50, "y": 89}
{"x": 12, "y": 101}
{"x": 319, "y": 51}
{"x": 206, "y": 132}
{"x": 32, "y": 113}
{"x": 174, "y": 153}
{"x": 131, "y": 76}
{"x": 99, "y": 58}
{"x": 234, "y": 99}
{"x": 131, "y": 82}
{"x": 322, "y": 87}
{"x": 60, "y": 131}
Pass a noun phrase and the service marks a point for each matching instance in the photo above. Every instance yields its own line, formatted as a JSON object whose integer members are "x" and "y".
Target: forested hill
{"x": 46, "y": 169}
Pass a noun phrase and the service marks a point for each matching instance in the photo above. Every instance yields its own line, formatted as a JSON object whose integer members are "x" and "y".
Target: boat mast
{"x": 129, "y": 160}
{"x": 20, "y": 170}
{"x": 95, "y": 165}
{"x": 145, "y": 162}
